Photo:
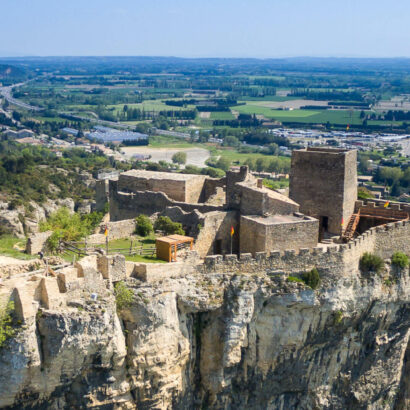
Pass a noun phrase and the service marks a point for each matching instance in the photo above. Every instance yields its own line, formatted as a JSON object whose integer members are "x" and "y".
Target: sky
{"x": 211, "y": 28}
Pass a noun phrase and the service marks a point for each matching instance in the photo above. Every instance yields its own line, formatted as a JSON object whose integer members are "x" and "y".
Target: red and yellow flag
{"x": 386, "y": 204}
{"x": 348, "y": 126}
{"x": 343, "y": 222}
{"x": 106, "y": 231}
{"x": 232, "y": 231}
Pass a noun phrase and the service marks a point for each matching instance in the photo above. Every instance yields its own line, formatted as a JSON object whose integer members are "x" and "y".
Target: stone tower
{"x": 323, "y": 182}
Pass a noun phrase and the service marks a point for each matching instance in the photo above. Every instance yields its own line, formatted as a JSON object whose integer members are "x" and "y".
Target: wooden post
{"x": 131, "y": 248}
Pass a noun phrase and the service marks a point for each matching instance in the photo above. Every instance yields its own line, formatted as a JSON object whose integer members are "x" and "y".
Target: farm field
{"x": 149, "y": 105}
{"x": 222, "y": 115}
{"x": 294, "y": 103}
{"x": 342, "y": 117}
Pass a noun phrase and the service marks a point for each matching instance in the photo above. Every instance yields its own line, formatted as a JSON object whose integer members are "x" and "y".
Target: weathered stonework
{"x": 324, "y": 183}
{"x": 277, "y": 232}
{"x": 37, "y": 242}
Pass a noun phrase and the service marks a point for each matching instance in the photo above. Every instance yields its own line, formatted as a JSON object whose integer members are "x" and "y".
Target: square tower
{"x": 323, "y": 182}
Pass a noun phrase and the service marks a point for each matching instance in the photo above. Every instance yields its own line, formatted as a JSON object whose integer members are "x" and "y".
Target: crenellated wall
{"x": 334, "y": 260}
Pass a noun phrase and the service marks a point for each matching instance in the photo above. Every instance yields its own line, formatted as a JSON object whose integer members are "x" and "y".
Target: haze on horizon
{"x": 212, "y": 28}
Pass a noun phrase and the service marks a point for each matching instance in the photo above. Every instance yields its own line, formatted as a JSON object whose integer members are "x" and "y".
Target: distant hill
{"x": 11, "y": 74}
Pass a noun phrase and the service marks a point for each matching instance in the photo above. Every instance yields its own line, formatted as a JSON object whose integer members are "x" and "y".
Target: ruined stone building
{"x": 321, "y": 204}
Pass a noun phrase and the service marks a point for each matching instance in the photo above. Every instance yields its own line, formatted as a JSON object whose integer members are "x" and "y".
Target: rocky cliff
{"x": 220, "y": 341}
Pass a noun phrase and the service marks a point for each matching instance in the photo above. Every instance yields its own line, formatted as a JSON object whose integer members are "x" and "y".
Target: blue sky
{"x": 212, "y": 28}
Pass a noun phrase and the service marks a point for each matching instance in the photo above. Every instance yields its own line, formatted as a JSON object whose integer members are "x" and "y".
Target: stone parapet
{"x": 335, "y": 259}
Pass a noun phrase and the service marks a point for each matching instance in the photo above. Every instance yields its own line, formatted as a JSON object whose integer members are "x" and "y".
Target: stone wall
{"x": 259, "y": 235}
{"x": 155, "y": 272}
{"x": 36, "y": 243}
{"x": 210, "y": 188}
{"x": 324, "y": 183}
{"x": 372, "y": 203}
{"x": 125, "y": 205}
{"x": 119, "y": 229}
{"x": 264, "y": 201}
{"x": 332, "y": 260}
{"x": 216, "y": 233}
{"x": 233, "y": 191}
{"x": 101, "y": 194}
{"x": 193, "y": 189}
{"x": 179, "y": 187}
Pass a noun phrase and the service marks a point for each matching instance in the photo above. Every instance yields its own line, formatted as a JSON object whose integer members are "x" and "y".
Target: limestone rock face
{"x": 219, "y": 341}
{"x": 11, "y": 220}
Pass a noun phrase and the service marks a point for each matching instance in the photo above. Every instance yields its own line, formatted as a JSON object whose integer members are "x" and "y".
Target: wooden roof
{"x": 175, "y": 239}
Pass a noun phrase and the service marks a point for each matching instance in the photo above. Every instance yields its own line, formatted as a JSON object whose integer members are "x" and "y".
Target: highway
{"x": 6, "y": 93}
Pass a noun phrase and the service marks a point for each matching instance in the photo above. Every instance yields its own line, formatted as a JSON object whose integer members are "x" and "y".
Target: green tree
{"x": 231, "y": 141}
{"x": 123, "y": 295}
{"x": 166, "y": 225}
{"x": 223, "y": 163}
{"x": 312, "y": 278}
{"x": 179, "y": 158}
{"x": 143, "y": 225}
{"x": 261, "y": 164}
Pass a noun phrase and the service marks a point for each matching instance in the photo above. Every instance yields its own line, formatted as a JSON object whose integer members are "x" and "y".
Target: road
{"x": 6, "y": 93}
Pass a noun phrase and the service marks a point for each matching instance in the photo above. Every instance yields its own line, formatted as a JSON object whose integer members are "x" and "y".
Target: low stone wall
{"x": 36, "y": 242}
{"x": 154, "y": 272}
{"x": 119, "y": 229}
{"x": 332, "y": 260}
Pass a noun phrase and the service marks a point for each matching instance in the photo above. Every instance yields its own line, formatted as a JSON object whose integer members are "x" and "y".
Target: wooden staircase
{"x": 350, "y": 230}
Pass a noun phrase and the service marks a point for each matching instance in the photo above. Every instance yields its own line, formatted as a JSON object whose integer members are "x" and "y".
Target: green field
{"x": 150, "y": 105}
{"x": 7, "y": 247}
{"x": 342, "y": 117}
{"x": 222, "y": 115}
{"x": 238, "y": 157}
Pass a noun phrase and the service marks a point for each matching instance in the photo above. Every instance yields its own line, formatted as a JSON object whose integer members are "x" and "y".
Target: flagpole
{"x": 231, "y": 244}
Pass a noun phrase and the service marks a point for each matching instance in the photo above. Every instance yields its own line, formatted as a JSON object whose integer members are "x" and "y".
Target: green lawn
{"x": 239, "y": 157}
{"x": 124, "y": 245}
{"x": 7, "y": 243}
{"x": 222, "y": 115}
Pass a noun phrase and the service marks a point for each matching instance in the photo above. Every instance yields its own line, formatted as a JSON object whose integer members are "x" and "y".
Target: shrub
{"x": 400, "y": 260}
{"x": 371, "y": 263}
{"x": 6, "y": 329}
{"x": 312, "y": 278}
{"x": 123, "y": 295}
{"x": 165, "y": 224}
{"x": 144, "y": 226}
{"x": 364, "y": 193}
{"x": 179, "y": 157}
{"x": 337, "y": 317}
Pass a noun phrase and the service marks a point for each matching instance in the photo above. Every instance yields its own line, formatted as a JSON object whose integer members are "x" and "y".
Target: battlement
{"x": 332, "y": 259}
{"x": 375, "y": 203}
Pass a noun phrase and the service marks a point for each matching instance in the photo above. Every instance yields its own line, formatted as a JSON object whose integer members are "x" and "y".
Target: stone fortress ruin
{"x": 216, "y": 312}
{"x": 321, "y": 207}
{"x": 270, "y": 231}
